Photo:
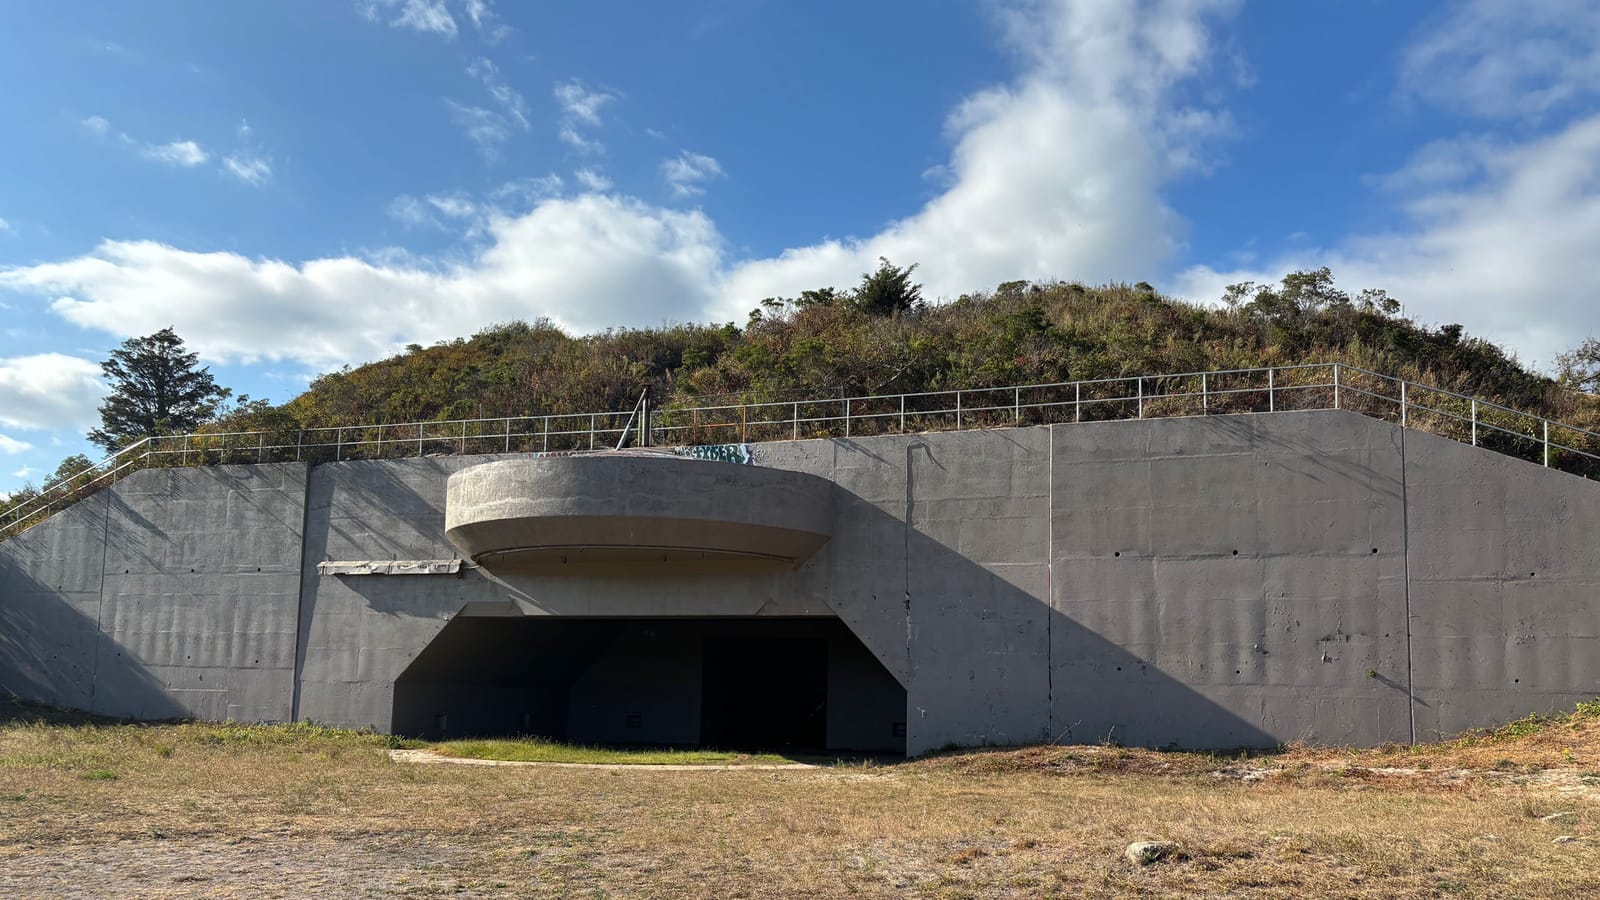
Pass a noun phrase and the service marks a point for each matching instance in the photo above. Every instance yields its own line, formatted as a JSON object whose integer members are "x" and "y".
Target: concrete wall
{"x": 173, "y": 593}
{"x": 1203, "y": 582}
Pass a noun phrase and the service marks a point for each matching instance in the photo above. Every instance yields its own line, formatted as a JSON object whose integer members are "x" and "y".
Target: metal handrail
{"x": 1293, "y": 387}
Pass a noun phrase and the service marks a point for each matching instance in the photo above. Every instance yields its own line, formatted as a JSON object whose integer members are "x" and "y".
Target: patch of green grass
{"x": 100, "y": 775}
{"x": 540, "y": 750}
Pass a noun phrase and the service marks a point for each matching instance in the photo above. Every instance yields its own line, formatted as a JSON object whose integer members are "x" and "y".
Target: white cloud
{"x": 484, "y": 127}
{"x": 13, "y": 446}
{"x": 6, "y": 227}
{"x": 24, "y": 472}
{"x": 419, "y": 15}
{"x": 252, "y": 170}
{"x": 186, "y": 154}
{"x": 589, "y": 262}
{"x": 1490, "y": 231}
{"x": 592, "y": 180}
{"x": 581, "y": 104}
{"x": 49, "y": 391}
{"x": 96, "y": 125}
{"x": 512, "y": 104}
{"x": 580, "y": 109}
{"x": 688, "y": 171}
{"x": 525, "y": 193}
{"x": 455, "y": 206}
{"x": 490, "y": 128}
{"x": 1507, "y": 58}
{"x": 1058, "y": 173}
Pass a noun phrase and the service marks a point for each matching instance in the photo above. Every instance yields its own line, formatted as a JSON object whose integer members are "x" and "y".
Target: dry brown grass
{"x": 197, "y": 810}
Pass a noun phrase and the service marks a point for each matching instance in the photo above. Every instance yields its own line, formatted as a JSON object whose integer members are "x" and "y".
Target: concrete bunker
{"x": 801, "y": 684}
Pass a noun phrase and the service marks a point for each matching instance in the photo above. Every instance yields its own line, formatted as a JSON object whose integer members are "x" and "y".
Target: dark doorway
{"x": 764, "y": 693}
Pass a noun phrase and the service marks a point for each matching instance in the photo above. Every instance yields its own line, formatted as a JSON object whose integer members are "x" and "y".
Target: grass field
{"x": 535, "y": 750}
{"x": 215, "y": 810}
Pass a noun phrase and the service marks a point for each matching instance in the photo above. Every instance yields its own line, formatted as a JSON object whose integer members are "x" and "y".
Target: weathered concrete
{"x": 173, "y": 593}
{"x": 556, "y": 513}
{"x": 1202, "y": 582}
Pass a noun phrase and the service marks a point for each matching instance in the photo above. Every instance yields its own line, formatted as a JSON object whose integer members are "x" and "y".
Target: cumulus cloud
{"x": 588, "y": 262}
{"x": 1507, "y": 58}
{"x": 9, "y": 445}
{"x": 1056, "y": 173}
{"x": 687, "y": 172}
{"x": 6, "y": 227}
{"x": 49, "y": 392}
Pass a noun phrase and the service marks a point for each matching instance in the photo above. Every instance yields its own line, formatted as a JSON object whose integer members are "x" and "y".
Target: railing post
{"x": 1077, "y": 401}
{"x": 419, "y": 440}
{"x": 1335, "y": 385}
{"x": 1205, "y": 394}
{"x": 299, "y": 442}
{"x": 1547, "y": 443}
{"x": 796, "y": 420}
{"x": 186, "y": 449}
{"x": 461, "y": 448}
{"x": 1016, "y": 405}
{"x": 591, "y": 430}
{"x": 546, "y": 430}
{"x": 744, "y": 423}
{"x": 958, "y": 410}
{"x": 847, "y": 417}
{"x": 1405, "y": 411}
{"x": 338, "y": 445}
{"x": 1474, "y": 422}
{"x": 1272, "y": 390}
{"x": 261, "y": 448}
{"x": 902, "y": 413}
{"x": 1141, "y": 396}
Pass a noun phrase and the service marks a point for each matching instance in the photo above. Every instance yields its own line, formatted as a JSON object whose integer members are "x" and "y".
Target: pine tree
{"x": 156, "y": 388}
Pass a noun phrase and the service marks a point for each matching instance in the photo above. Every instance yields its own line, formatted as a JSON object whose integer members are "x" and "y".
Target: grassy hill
{"x": 830, "y": 343}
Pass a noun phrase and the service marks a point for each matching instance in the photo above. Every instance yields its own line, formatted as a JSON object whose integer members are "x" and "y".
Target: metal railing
{"x": 1267, "y": 389}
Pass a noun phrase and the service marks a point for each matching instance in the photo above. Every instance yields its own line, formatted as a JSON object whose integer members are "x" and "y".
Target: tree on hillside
{"x": 71, "y": 468}
{"x": 888, "y": 292}
{"x": 156, "y": 388}
{"x": 1579, "y": 368}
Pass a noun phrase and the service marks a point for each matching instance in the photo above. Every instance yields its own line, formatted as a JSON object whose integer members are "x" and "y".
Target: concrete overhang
{"x": 609, "y": 513}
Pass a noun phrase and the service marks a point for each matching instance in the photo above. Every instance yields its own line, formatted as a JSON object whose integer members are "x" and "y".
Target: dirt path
{"x": 427, "y": 758}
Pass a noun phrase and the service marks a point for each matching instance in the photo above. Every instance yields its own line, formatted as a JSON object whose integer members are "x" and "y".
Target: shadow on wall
{"x": 988, "y": 658}
{"x": 53, "y": 651}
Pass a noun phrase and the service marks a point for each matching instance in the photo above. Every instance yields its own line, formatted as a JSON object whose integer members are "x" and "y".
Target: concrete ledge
{"x": 568, "y": 513}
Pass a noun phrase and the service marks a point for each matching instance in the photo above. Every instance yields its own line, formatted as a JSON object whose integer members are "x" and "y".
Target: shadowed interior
{"x": 750, "y": 684}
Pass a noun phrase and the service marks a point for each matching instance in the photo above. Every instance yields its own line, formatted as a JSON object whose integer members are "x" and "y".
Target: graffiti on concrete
{"x": 728, "y": 453}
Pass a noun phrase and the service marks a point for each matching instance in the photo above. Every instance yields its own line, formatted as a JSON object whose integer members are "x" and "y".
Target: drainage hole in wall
{"x": 1374, "y": 549}
{"x": 1531, "y": 574}
{"x": 1516, "y": 681}
{"x": 1117, "y": 553}
{"x": 1119, "y": 668}
{"x": 1235, "y": 553}
{"x": 1238, "y": 671}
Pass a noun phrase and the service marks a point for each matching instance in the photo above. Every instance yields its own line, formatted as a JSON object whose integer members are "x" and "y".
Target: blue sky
{"x": 300, "y": 185}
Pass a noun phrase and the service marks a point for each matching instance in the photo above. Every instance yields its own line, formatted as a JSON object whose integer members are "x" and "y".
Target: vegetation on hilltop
{"x": 881, "y": 337}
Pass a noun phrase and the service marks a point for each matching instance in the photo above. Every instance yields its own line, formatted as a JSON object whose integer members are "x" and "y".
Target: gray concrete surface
{"x": 1203, "y": 582}
{"x": 601, "y": 512}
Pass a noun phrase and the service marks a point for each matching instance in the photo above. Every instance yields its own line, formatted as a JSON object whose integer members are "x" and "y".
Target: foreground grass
{"x": 537, "y": 750}
{"x": 205, "y": 810}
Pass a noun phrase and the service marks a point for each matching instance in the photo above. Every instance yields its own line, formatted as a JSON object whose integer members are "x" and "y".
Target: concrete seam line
{"x": 1405, "y": 556}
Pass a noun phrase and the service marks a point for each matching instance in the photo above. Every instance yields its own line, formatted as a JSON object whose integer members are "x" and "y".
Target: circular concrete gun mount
{"x": 615, "y": 513}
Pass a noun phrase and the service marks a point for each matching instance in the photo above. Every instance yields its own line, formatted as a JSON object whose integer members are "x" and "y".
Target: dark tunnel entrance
{"x": 748, "y": 684}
